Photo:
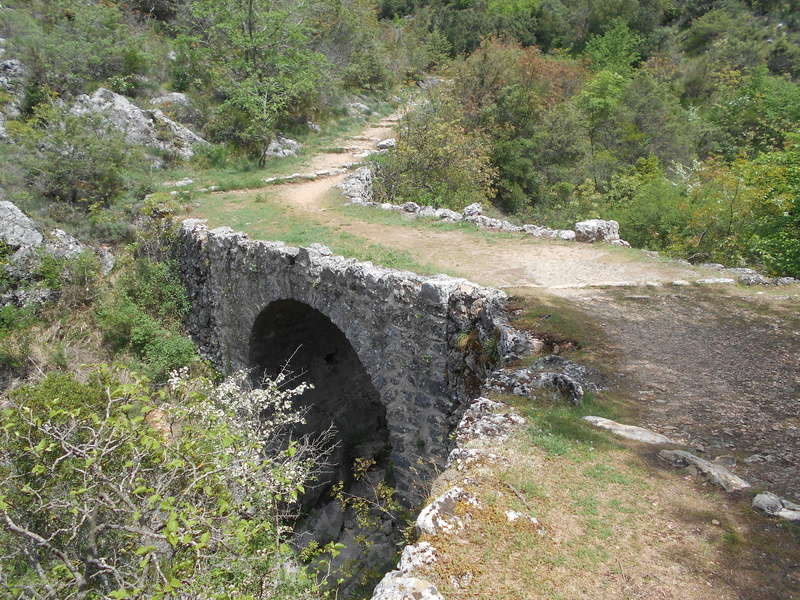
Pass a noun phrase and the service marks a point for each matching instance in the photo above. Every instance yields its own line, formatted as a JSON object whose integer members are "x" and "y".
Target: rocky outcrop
{"x": 28, "y": 245}
{"x": 358, "y": 109}
{"x": 396, "y": 586}
{"x": 563, "y": 378}
{"x": 16, "y": 228}
{"x": 442, "y": 515}
{"x": 387, "y": 144}
{"x": 12, "y": 83}
{"x": 151, "y": 128}
{"x": 775, "y": 506}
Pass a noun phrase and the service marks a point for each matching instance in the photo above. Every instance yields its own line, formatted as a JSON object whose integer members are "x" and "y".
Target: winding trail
{"x": 716, "y": 368}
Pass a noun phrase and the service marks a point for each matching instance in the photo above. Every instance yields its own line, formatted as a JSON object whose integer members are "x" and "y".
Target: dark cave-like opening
{"x": 293, "y": 334}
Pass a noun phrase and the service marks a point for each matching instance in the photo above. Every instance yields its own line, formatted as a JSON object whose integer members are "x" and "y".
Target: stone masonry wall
{"x": 426, "y": 342}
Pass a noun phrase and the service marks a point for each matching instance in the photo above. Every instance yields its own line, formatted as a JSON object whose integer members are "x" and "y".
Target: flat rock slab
{"x": 717, "y": 474}
{"x": 629, "y": 432}
{"x": 777, "y": 507}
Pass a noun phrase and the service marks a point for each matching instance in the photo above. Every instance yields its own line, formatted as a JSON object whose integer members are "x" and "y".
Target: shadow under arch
{"x": 289, "y": 332}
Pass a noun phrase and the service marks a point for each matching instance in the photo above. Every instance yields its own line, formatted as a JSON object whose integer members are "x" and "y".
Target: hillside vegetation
{"x": 130, "y": 467}
{"x": 678, "y": 119}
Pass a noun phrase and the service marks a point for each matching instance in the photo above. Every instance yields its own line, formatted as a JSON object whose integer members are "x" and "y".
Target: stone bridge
{"x": 394, "y": 356}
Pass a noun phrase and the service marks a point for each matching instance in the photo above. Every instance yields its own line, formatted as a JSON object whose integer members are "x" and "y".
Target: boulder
{"x": 357, "y": 188}
{"x": 596, "y": 230}
{"x": 445, "y": 214}
{"x": 716, "y": 474}
{"x": 486, "y": 420}
{"x": 387, "y": 144}
{"x": 16, "y": 229}
{"x": 395, "y": 586}
{"x": 473, "y": 210}
{"x": 358, "y": 109}
{"x": 440, "y": 516}
{"x": 566, "y": 379}
{"x": 566, "y": 235}
{"x": 775, "y": 506}
{"x": 416, "y": 556}
{"x": 150, "y": 128}
{"x": 282, "y": 147}
{"x": 411, "y": 207}
{"x": 62, "y": 245}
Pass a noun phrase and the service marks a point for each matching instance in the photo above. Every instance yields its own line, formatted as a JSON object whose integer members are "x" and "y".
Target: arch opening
{"x": 294, "y": 335}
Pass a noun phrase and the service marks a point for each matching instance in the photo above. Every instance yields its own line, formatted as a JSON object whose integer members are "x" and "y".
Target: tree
{"x": 258, "y": 58}
{"x": 112, "y": 491}
{"x": 616, "y": 50}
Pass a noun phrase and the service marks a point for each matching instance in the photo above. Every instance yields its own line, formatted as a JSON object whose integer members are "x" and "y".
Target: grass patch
{"x": 261, "y": 217}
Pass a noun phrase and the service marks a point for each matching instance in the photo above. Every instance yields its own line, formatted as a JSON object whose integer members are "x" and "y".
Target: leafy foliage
{"x": 143, "y": 315}
{"x": 437, "y": 162}
{"x": 111, "y": 491}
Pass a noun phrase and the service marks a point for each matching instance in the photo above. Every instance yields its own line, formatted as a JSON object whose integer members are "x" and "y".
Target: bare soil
{"x": 718, "y": 371}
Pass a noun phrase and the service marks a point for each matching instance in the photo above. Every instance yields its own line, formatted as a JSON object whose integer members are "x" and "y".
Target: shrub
{"x": 81, "y": 160}
{"x": 143, "y": 315}
{"x": 438, "y": 161}
{"x": 181, "y": 493}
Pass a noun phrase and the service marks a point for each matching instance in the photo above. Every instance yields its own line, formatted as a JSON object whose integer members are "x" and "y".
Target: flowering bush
{"x": 111, "y": 491}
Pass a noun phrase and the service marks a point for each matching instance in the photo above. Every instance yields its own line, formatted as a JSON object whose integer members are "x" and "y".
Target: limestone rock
{"x": 144, "y": 127}
{"x": 16, "y": 229}
{"x": 596, "y": 230}
{"x": 440, "y": 515}
{"x": 565, "y": 378}
{"x": 282, "y": 147}
{"x": 717, "y": 474}
{"x": 776, "y": 507}
{"x": 786, "y": 281}
{"x": 483, "y": 420}
{"x": 394, "y": 586}
{"x": 461, "y": 458}
{"x": 445, "y": 214}
{"x": 416, "y": 556}
{"x": 357, "y": 188}
{"x": 567, "y": 235}
{"x": 748, "y": 276}
{"x": 410, "y": 207}
{"x": 387, "y": 144}
{"x": 473, "y": 210}
{"x": 630, "y": 432}
{"x": 715, "y": 281}
{"x": 63, "y": 245}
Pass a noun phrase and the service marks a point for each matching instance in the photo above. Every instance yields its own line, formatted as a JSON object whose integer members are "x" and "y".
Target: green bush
{"x": 438, "y": 161}
{"x": 72, "y": 46}
{"x": 77, "y": 159}
{"x": 143, "y": 315}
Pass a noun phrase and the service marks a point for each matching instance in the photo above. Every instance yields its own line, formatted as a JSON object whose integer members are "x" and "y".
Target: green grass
{"x": 265, "y": 219}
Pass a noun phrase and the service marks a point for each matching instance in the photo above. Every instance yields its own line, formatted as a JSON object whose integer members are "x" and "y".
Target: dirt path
{"x": 718, "y": 369}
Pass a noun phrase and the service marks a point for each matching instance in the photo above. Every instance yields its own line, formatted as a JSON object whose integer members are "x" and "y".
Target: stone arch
{"x": 292, "y": 334}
